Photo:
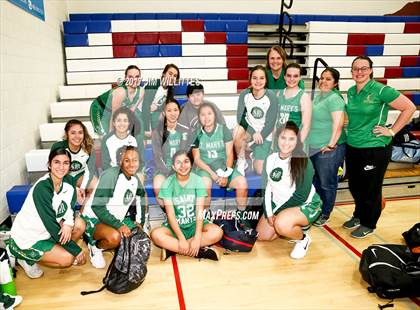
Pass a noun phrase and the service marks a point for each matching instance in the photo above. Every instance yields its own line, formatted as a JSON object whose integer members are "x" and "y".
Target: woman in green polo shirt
{"x": 276, "y": 68}
{"x": 369, "y": 145}
{"x": 326, "y": 140}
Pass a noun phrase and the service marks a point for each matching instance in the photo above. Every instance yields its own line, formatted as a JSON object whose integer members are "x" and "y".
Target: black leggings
{"x": 366, "y": 170}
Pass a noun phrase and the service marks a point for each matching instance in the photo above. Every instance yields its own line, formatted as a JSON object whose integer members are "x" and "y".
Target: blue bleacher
{"x": 75, "y": 40}
{"x": 411, "y": 72}
{"x": 236, "y": 37}
{"x": 147, "y": 50}
{"x": 99, "y": 27}
{"x": 298, "y": 19}
{"x": 173, "y": 50}
{"x": 75, "y": 27}
{"x": 374, "y": 50}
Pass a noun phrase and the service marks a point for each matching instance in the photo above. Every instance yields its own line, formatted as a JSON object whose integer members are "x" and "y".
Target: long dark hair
{"x": 171, "y": 90}
{"x": 255, "y": 68}
{"x": 134, "y": 126}
{"x": 335, "y": 75}
{"x": 56, "y": 152}
{"x": 207, "y": 105}
{"x": 165, "y": 132}
{"x": 299, "y": 159}
{"x": 87, "y": 144}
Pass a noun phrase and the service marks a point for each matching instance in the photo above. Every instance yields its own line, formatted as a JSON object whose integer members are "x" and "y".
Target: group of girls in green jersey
{"x": 296, "y": 144}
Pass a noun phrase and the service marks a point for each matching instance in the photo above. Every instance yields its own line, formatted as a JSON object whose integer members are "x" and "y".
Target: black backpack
{"x": 391, "y": 270}
{"x": 412, "y": 238}
{"x": 235, "y": 238}
{"x": 128, "y": 268}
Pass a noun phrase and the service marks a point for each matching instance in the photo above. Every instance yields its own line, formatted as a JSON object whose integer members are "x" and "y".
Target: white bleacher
{"x": 405, "y": 38}
{"x": 341, "y": 50}
{"x": 93, "y": 91}
{"x": 192, "y": 37}
{"x": 355, "y": 27}
{"x": 99, "y": 39}
{"x": 37, "y": 160}
{"x": 82, "y": 91}
{"x": 95, "y": 52}
{"x": 145, "y": 63}
{"x": 106, "y": 38}
{"x": 402, "y": 50}
{"x": 51, "y": 132}
{"x": 69, "y": 108}
{"x": 84, "y": 52}
{"x": 145, "y": 25}
{"x": 403, "y": 83}
{"x": 341, "y": 38}
{"x": 345, "y": 73}
{"x": 80, "y": 108}
{"x": 345, "y": 61}
{"x": 95, "y": 77}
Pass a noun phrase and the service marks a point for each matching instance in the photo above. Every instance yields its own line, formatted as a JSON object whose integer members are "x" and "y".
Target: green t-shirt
{"x": 367, "y": 109}
{"x": 289, "y": 109}
{"x": 321, "y": 128}
{"x": 212, "y": 146}
{"x": 183, "y": 198}
{"x": 280, "y": 83}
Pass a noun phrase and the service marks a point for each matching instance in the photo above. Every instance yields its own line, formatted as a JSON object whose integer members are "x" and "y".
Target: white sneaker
{"x": 96, "y": 257}
{"x": 33, "y": 271}
{"x": 301, "y": 247}
{"x": 241, "y": 165}
{"x": 16, "y": 301}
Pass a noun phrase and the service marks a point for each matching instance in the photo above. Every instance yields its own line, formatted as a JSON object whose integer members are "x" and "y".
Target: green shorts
{"x": 91, "y": 223}
{"x": 188, "y": 231}
{"x": 34, "y": 253}
{"x": 203, "y": 173}
{"x": 311, "y": 210}
{"x": 261, "y": 151}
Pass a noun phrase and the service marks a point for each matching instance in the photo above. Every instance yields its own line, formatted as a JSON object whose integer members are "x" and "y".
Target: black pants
{"x": 366, "y": 170}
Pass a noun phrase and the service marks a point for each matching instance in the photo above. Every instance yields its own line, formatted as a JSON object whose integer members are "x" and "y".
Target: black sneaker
{"x": 361, "y": 232}
{"x": 165, "y": 254}
{"x": 208, "y": 253}
{"x": 354, "y": 222}
{"x": 322, "y": 220}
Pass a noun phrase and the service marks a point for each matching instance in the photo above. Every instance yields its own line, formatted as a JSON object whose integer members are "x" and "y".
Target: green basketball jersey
{"x": 289, "y": 109}
{"x": 183, "y": 197}
{"x": 212, "y": 146}
{"x": 172, "y": 145}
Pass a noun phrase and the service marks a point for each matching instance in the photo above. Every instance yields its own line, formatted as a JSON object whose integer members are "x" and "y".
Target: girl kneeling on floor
{"x": 45, "y": 229}
{"x": 106, "y": 210}
{"x": 290, "y": 200}
{"x": 185, "y": 231}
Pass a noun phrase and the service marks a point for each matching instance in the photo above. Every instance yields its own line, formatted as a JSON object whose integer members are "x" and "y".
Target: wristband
{"x": 391, "y": 132}
{"x": 228, "y": 172}
{"x": 332, "y": 147}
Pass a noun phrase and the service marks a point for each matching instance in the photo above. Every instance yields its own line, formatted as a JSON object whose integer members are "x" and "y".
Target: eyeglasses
{"x": 362, "y": 69}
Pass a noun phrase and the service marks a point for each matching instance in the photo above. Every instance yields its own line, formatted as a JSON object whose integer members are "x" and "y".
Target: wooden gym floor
{"x": 266, "y": 278}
